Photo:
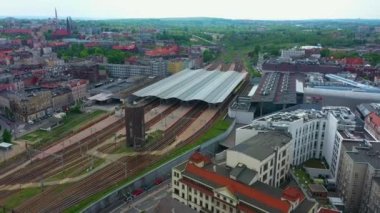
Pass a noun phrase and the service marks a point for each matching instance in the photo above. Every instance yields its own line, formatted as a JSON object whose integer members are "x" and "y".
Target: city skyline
{"x": 241, "y": 9}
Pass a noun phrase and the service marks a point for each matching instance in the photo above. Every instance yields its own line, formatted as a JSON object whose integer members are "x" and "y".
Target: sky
{"x": 232, "y": 9}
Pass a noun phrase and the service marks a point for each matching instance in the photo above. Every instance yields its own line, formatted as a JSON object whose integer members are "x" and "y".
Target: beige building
{"x": 79, "y": 89}
{"x": 358, "y": 177}
{"x": 62, "y": 99}
{"x": 267, "y": 153}
{"x": 208, "y": 187}
{"x": 30, "y": 106}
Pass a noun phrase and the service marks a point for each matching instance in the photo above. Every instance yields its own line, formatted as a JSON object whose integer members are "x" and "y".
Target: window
{"x": 265, "y": 166}
{"x": 190, "y": 198}
{"x": 284, "y": 153}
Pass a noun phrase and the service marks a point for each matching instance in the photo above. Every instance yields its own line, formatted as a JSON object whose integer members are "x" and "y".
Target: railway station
{"x": 179, "y": 107}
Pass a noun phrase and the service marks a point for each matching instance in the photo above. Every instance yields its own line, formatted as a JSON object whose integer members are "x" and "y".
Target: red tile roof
{"x": 57, "y": 44}
{"x": 293, "y": 194}
{"x": 16, "y": 31}
{"x": 197, "y": 157}
{"x": 239, "y": 188}
{"x": 324, "y": 210}
{"x": 60, "y": 32}
{"x": 163, "y": 51}
{"x": 374, "y": 119}
{"x": 245, "y": 208}
{"x": 125, "y": 47}
{"x": 354, "y": 61}
{"x": 77, "y": 82}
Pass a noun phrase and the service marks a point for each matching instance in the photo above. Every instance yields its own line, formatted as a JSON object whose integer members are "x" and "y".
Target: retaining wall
{"x": 116, "y": 197}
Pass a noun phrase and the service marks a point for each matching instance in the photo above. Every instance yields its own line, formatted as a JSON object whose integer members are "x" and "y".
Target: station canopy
{"x": 208, "y": 86}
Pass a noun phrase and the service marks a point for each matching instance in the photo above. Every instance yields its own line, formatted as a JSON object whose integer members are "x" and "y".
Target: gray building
{"x": 158, "y": 67}
{"x": 358, "y": 177}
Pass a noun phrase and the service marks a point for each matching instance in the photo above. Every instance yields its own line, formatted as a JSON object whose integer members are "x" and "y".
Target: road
{"x": 146, "y": 201}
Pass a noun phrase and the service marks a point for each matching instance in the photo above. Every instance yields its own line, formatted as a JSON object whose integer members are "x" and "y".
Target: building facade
{"x": 313, "y": 132}
{"x": 207, "y": 187}
{"x": 28, "y": 107}
{"x": 266, "y": 153}
{"x": 79, "y": 89}
{"x": 358, "y": 177}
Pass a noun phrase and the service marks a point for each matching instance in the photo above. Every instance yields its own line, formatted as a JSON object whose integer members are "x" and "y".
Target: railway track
{"x": 40, "y": 169}
{"x": 58, "y": 198}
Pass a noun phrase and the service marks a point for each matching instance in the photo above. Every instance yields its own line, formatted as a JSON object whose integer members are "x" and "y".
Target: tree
{"x": 7, "y": 136}
{"x": 207, "y": 56}
{"x": 325, "y": 52}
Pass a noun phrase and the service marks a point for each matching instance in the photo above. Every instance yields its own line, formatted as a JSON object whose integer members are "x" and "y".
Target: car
{"x": 137, "y": 192}
{"x": 158, "y": 181}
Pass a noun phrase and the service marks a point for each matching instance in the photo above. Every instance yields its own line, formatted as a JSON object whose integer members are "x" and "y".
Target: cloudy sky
{"x": 235, "y": 9}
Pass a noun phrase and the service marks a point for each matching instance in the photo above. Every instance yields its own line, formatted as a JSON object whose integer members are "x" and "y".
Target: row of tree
{"x": 79, "y": 51}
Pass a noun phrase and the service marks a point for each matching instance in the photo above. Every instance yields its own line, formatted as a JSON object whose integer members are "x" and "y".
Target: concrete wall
{"x": 313, "y": 172}
{"x": 116, "y": 197}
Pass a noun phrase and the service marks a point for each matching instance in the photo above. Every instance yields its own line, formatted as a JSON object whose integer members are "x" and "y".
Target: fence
{"x": 116, "y": 197}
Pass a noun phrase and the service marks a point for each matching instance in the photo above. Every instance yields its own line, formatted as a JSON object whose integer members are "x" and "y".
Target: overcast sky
{"x": 235, "y": 9}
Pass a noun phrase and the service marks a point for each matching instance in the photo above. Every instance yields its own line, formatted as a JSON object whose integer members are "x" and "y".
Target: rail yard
{"x": 97, "y": 158}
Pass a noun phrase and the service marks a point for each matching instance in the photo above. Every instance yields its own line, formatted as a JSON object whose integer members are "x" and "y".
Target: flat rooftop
{"x": 276, "y": 87}
{"x": 343, "y": 114}
{"x": 262, "y": 145}
{"x": 364, "y": 153}
{"x": 355, "y": 135}
{"x": 188, "y": 85}
{"x": 243, "y": 104}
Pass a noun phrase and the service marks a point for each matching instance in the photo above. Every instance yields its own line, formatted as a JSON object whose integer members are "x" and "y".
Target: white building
{"x": 267, "y": 153}
{"x": 313, "y": 131}
{"x": 208, "y": 187}
{"x": 291, "y": 53}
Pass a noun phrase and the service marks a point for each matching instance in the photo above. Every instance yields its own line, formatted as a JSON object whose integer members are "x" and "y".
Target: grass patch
{"x": 16, "y": 199}
{"x": 219, "y": 127}
{"x": 75, "y": 171}
{"x": 315, "y": 163}
{"x": 303, "y": 177}
{"x": 123, "y": 149}
{"x": 71, "y": 123}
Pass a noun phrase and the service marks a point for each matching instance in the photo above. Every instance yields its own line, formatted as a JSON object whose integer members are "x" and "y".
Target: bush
{"x": 7, "y": 136}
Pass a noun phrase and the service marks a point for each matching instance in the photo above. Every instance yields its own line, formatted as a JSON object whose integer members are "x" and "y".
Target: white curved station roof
{"x": 209, "y": 86}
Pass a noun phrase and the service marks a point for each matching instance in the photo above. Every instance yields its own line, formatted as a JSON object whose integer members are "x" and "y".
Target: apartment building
{"x": 313, "y": 132}
{"x": 127, "y": 70}
{"x": 152, "y": 67}
{"x": 358, "y": 177}
{"x": 266, "y": 153}
{"x": 372, "y": 124}
{"x": 30, "y": 106}
{"x": 79, "y": 88}
{"x": 62, "y": 99}
{"x": 208, "y": 187}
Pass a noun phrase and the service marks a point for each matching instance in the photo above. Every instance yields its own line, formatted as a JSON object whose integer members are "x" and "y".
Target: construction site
{"x": 156, "y": 121}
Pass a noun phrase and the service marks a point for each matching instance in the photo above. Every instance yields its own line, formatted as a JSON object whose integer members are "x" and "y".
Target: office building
{"x": 313, "y": 132}
{"x": 208, "y": 187}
